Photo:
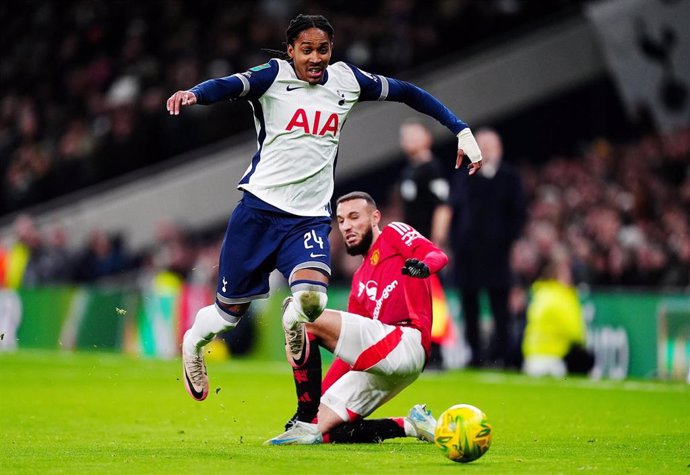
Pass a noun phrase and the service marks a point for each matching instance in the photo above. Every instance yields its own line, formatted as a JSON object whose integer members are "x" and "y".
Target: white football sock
{"x": 207, "y": 324}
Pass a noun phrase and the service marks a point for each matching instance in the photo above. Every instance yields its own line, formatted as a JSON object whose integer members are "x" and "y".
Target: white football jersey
{"x": 298, "y": 128}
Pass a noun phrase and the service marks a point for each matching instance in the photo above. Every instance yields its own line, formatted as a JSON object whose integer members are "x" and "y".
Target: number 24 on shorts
{"x": 311, "y": 236}
{"x": 310, "y": 240}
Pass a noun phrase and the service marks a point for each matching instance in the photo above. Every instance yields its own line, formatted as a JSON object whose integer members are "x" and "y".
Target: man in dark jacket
{"x": 485, "y": 216}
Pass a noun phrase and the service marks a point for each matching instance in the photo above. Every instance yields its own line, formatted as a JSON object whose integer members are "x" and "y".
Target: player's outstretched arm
{"x": 380, "y": 88}
{"x": 250, "y": 84}
{"x": 421, "y": 268}
{"x": 422, "y": 257}
{"x": 178, "y": 100}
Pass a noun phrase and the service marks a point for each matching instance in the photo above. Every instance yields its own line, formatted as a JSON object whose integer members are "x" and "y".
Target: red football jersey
{"x": 381, "y": 291}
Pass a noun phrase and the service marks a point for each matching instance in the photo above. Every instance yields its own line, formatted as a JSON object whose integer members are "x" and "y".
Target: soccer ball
{"x": 463, "y": 433}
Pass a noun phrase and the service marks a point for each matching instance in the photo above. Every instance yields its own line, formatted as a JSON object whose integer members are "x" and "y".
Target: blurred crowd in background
{"x": 621, "y": 212}
{"x": 83, "y": 82}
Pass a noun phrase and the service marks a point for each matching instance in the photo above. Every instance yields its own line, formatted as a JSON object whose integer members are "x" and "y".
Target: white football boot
{"x": 296, "y": 344}
{"x": 195, "y": 376}
{"x": 301, "y": 433}
{"x": 423, "y": 422}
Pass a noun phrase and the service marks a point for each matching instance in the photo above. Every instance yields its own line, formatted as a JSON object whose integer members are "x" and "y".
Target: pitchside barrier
{"x": 638, "y": 334}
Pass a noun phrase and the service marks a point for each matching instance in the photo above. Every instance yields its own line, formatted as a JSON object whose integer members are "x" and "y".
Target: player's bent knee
{"x": 237, "y": 310}
{"x": 310, "y": 303}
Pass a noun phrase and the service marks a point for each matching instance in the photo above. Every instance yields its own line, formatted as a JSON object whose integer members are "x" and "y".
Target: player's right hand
{"x": 180, "y": 99}
{"x": 467, "y": 145}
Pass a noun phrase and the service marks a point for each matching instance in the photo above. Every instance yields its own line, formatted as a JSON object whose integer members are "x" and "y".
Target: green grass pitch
{"x": 107, "y": 413}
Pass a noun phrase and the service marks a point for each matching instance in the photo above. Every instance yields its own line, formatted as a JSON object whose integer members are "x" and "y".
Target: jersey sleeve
{"x": 372, "y": 86}
{"x": 249, "y": 84}
{"x": 421, "y": 101}
{"x": 411, "y": 244}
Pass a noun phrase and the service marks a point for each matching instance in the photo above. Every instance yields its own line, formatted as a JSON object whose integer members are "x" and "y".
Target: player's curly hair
{"x": 298, "y": 25}
{"x": 304, "y": 22}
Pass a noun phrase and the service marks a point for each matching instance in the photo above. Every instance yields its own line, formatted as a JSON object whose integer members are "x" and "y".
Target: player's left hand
{"x": 416, "y": 268}
{"x": 467, "y": 145}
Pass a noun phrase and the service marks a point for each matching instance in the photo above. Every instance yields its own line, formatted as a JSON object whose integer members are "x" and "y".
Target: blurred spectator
{"x": 423, "y": 185}
{"x": 488, "y": 212}
{"x": 104, "y": 256}
{"x": 55, "y": 264}
{"x": 20, "y": 267}
{"x": 204, "y": 270}
{"x": 173, "y": 251}
{"x": 555, "y": 335}
{"x": 422, "y": 188}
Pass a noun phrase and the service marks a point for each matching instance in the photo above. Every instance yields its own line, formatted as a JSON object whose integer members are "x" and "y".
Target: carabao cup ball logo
{"x": 463, "y": 433}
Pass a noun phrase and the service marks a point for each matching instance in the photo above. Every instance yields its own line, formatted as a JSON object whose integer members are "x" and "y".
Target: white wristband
{"x": 468, "y": 144}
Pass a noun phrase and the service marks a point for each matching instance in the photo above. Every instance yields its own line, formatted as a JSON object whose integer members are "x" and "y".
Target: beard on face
{"x": 363, "y": 246}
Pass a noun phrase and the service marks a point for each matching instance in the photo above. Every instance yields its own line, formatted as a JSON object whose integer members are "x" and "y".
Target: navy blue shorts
{"x": 258, "y": 241}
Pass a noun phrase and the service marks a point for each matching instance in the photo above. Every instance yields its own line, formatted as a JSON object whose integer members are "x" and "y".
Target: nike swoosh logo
{"x": 317, "y": 255}
{"x": 302, "y": 357}
{"x": 197, "y": 395}
{"x": 293, "y": 88}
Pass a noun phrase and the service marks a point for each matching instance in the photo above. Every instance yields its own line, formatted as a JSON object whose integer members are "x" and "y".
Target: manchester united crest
{"x": 375, "y": 258}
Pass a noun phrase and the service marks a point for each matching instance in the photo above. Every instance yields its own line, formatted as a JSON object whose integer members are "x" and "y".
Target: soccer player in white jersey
{"x": 283, "y": 220}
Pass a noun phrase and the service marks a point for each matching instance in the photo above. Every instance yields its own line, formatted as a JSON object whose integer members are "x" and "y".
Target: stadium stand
{"x": 81, "y": 103}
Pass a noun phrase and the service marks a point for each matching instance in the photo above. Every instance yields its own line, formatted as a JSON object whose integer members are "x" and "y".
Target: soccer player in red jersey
{"x": 381, "y": 343}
